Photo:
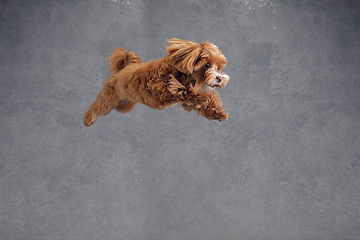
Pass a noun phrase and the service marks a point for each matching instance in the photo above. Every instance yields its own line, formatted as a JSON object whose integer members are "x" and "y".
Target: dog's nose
{"x": 218, "y": 79}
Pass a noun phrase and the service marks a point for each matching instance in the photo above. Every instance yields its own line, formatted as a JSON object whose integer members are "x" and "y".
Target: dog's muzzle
{"x": 217, "y": 79}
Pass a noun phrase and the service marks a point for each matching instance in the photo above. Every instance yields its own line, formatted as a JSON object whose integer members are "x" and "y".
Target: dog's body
{"x": 187, "y": 76}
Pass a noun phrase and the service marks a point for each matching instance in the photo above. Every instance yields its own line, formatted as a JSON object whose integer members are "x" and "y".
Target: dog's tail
{"x": 120, "y": 58}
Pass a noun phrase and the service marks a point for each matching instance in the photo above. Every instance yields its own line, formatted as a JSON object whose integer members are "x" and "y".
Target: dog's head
{"x": 204, "y": 62}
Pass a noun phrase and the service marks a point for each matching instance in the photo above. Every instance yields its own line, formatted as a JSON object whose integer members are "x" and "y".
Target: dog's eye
{"x": 207, "y": 65}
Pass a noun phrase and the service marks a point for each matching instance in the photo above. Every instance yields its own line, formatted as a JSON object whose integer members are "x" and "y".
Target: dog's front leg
{"x": 211, "y": 110}
{"x": 191, "y": 96}
{"x": 214, "y": 109}
{"x": 208, "y": 104}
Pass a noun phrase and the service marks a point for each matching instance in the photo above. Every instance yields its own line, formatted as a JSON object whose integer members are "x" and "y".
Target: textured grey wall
{"x": 286, "y": 165}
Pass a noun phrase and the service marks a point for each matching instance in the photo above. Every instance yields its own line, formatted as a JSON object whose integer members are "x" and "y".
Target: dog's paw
{"x": 175, "y": 87}
{"x": 223, "y": 117}
{"x": 219, "y": 115}
{"x": 89, "y": 119}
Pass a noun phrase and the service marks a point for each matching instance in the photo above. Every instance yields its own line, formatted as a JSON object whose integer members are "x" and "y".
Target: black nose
{"x": 218, "y": 79}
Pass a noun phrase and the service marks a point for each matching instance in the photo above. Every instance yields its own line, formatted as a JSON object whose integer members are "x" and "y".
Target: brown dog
{"x": 187, "y": 76}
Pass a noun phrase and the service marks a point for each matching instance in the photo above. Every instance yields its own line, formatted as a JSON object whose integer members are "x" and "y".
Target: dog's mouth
{"x": 211, "y": 86}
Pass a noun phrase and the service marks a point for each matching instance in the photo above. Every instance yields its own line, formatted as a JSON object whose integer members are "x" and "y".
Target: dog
{"x": 186, "y": 76}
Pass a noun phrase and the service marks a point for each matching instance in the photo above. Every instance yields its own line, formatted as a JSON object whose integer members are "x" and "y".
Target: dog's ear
{"x": 183, "y": 54}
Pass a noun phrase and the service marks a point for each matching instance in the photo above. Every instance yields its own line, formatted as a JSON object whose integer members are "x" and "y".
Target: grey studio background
{"x": 285, "y": 165}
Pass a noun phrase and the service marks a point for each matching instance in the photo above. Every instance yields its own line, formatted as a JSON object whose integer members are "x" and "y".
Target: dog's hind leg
{"x": 125, "y": 106}
{"x": 106, "y": 101}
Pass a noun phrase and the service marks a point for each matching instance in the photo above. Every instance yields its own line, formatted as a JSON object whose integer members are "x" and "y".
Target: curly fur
{"x": 188, "y": 75}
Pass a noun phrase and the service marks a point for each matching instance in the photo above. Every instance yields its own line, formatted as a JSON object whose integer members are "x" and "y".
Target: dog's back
{"x": 120, "y": 58}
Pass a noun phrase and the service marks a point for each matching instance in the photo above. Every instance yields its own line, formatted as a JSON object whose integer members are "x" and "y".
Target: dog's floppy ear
{"x": 183, "y": 54}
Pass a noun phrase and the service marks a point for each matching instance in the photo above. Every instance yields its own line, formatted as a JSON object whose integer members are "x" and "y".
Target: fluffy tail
{"x": 120, "y": 58}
